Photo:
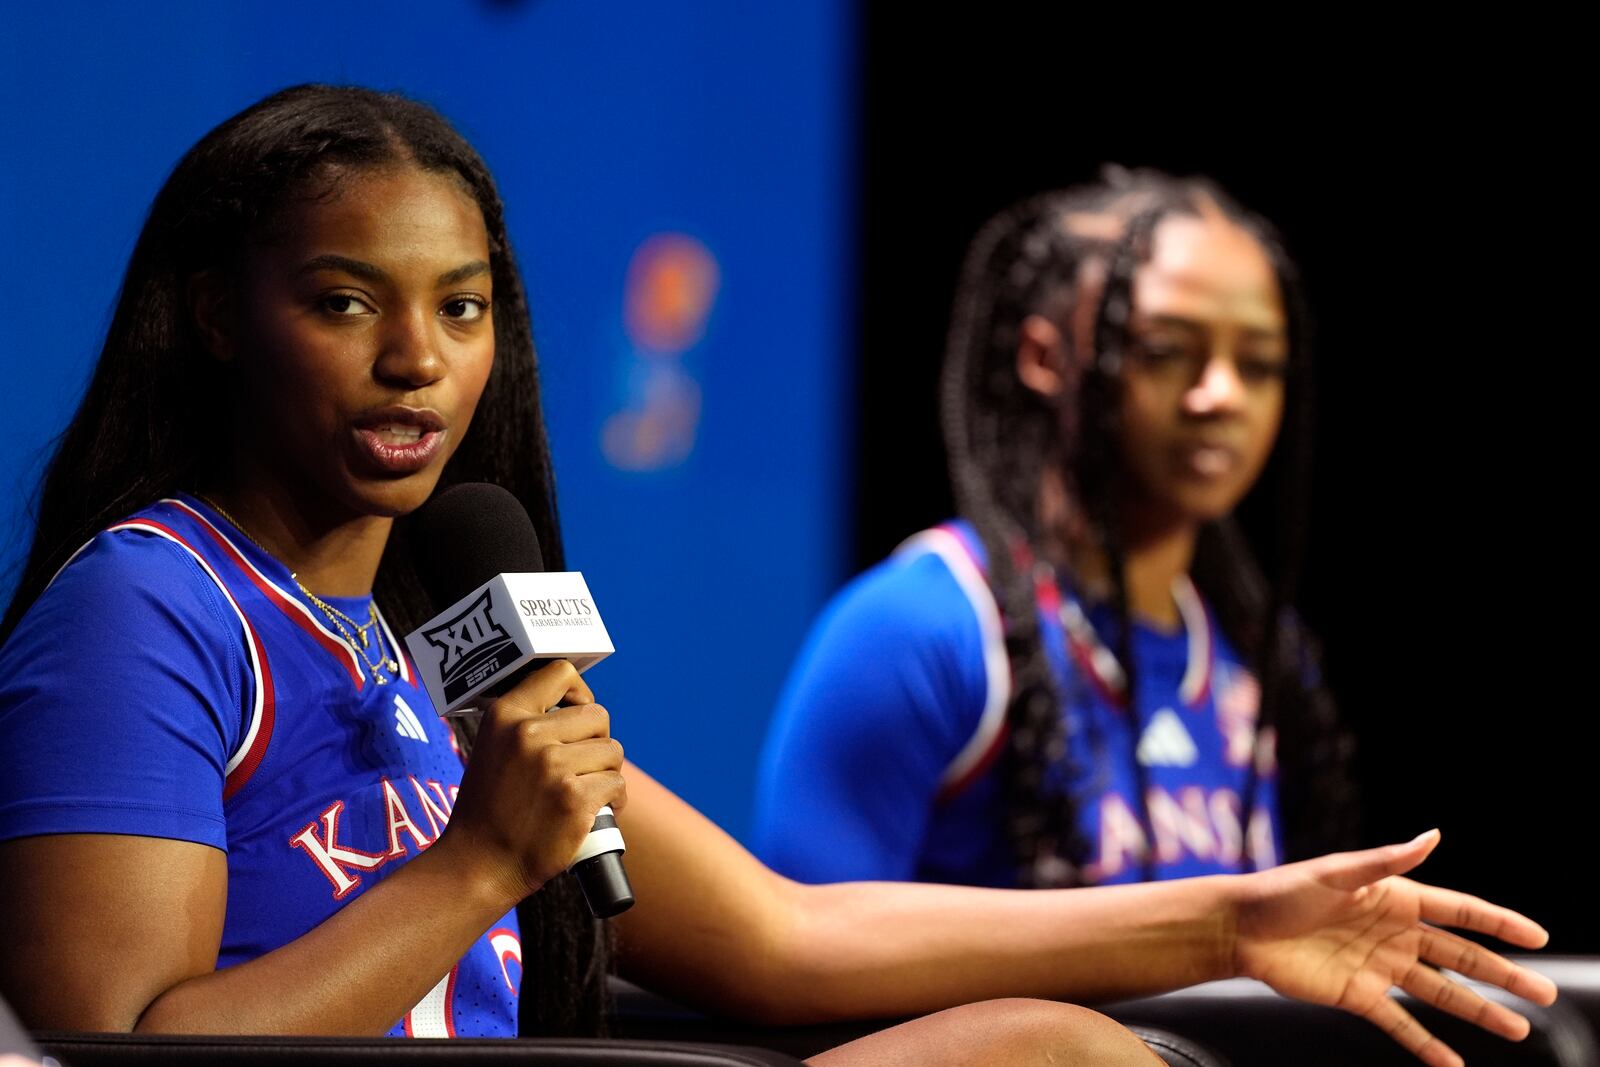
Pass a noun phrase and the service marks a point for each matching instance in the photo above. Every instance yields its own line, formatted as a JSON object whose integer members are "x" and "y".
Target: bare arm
{"x": 716, "y": 928}
{"x": 145, "y": 916}
{"x": 112, "y": 932}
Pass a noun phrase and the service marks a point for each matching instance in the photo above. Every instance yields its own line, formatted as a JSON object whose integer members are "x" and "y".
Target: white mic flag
{"x": 512, "y": 619}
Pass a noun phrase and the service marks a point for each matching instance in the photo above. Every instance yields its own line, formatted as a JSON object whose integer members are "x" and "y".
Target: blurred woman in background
{"x": 1085, "y": 679}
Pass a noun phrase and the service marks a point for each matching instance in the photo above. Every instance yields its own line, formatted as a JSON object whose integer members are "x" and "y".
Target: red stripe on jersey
{"x": 1048, "y": 594}
{"x": 1203, "y": 690}
{"x": 258, "y": 748}
{"x": 954, "y": 789}
{"x": 336, "y": 648}
{"x": 450, "y": 1002}
{"x": 1083, "y": 655}
{"x": 246, "y": 767}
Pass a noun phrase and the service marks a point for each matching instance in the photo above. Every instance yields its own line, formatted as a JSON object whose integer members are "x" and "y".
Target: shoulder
{"x": 131, "y": 613}
{"x": 928, "y": 592}
{"x": 121, "y": 696}
{"x": 912, "y": 640}
{"x": 128, "y": 576}
{"x": 134, "y": 619}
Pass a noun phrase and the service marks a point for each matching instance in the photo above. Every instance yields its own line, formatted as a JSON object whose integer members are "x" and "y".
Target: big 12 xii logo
{"x": 472, "y": 646}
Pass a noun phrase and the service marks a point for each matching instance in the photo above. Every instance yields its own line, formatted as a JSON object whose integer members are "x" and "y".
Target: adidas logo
{"x": 1166, "y": 743}
{"x": 406, "y": 723}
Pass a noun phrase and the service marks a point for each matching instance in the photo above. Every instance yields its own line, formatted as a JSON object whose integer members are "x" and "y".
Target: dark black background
{"x": 1435, "y": 231}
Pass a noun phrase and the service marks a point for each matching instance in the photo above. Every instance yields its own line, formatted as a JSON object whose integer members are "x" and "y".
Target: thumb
{"x": 1352, "y": 870}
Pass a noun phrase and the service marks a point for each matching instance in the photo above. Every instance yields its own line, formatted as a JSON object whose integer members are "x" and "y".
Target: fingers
{"x": 1352, "y": 870}
{"x": 584, "y": 795}
{"x": 1431, "y": 987}
{"x": 1444, "y": 949}
{"x": 557, "y": 682}
{"x": 566, "y": 725}
{"x": 507, "y": 724}
{"x": 1399, "y": 1024}
{"x": 579, "y": 757}
{"x": 620, "y": 801}
{"x": 1446, "y": 907}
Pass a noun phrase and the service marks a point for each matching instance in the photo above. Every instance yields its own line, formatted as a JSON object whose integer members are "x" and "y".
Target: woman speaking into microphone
{"x": 226, "y": 805}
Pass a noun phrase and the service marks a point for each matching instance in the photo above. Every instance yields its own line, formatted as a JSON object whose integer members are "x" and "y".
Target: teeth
{"x": 396, "y": 433}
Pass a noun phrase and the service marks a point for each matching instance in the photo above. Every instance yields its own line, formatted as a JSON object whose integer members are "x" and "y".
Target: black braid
{"x": 1098, "y": 470}
{"x": 1002, "y": 438}
{"x": 996, "y": 465}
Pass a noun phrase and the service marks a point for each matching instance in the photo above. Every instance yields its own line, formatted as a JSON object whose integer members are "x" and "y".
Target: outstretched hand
{"x": 1344, "y": 929}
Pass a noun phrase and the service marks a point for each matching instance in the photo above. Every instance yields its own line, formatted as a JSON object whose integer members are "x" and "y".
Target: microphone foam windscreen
{"x": 467, "y": 534}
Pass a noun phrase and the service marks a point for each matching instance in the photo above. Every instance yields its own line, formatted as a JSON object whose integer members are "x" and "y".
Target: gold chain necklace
{"x": 334, "y": 615}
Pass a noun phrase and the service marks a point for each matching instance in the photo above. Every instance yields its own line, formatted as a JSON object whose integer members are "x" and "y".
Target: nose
{"x": 410, "y": 356}
{"x": 1219, "y": 389}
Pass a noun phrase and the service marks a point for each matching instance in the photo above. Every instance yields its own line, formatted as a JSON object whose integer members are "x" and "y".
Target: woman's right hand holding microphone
{"x": 534, "y": 782}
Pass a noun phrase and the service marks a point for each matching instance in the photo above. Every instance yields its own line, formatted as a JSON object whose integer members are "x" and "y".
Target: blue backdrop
{"x": 677, "y": 185}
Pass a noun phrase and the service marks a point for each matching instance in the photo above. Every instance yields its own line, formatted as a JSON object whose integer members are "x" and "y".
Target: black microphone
{"x": 499, "y": 617}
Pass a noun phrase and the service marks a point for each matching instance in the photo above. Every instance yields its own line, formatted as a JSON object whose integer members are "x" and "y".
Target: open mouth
{"x": 397, "y": 433}
{"x": 399, "y": 440}
{"x": 1207, "y": 459}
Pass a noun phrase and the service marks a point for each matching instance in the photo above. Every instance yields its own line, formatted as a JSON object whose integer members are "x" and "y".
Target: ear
{"x": 211, "y": 305}
{"x": 1042, "y": 356}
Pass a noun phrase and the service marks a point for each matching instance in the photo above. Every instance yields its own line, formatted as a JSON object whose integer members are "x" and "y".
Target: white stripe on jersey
{"x": 996, "y": 665}
{"x": 1197, "y": 627}
{"x": 254, "y": 726}
{"x": 431, "y": 1016}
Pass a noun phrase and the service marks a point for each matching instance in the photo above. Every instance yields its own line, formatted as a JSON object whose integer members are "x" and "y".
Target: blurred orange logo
{"x": 671, "y": 286}
{"x": 672, "y": 283}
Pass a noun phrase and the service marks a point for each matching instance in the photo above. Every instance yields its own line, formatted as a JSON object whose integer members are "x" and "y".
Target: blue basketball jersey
{"x": 882, "y": 762}
{"x": 173, "y": 681}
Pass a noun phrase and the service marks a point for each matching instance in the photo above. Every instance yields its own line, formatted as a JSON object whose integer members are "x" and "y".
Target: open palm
{"x": 1344, "y": 929}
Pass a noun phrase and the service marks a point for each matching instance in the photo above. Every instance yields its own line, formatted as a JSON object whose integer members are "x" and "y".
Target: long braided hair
{"x": 1004, "y": 440}
{"x": 155, "y": 401}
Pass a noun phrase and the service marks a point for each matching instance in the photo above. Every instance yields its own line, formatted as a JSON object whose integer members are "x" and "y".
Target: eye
{"x": 465, "y": 308}
{"x": 345, "y": 305}
{"x": 1162, "y": 354}
{"x": 1262, "y": 369}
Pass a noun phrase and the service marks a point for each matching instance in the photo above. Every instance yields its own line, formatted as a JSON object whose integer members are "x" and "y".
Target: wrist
{"x": 1232, "y": 892}
{"x": 485, "y": 882}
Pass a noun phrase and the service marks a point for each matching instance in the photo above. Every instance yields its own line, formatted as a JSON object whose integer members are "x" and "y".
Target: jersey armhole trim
{"x": 259, "y": 710}
{"x": 983, "y": 747}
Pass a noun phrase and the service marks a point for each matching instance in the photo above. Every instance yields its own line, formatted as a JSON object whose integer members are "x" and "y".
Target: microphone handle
{"x": 599, "y": 871}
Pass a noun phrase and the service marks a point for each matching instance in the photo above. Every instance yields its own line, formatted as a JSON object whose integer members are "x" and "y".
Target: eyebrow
{"x": 463, "y": 272}
{"x": 362, "y": 270}
{"x": 1179, "y": 322}
{"x": 368, "y": 272}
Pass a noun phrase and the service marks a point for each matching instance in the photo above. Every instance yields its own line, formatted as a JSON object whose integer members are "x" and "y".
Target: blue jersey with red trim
{"x": 173, "y": 681}
{"x": 881, "y": 762}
